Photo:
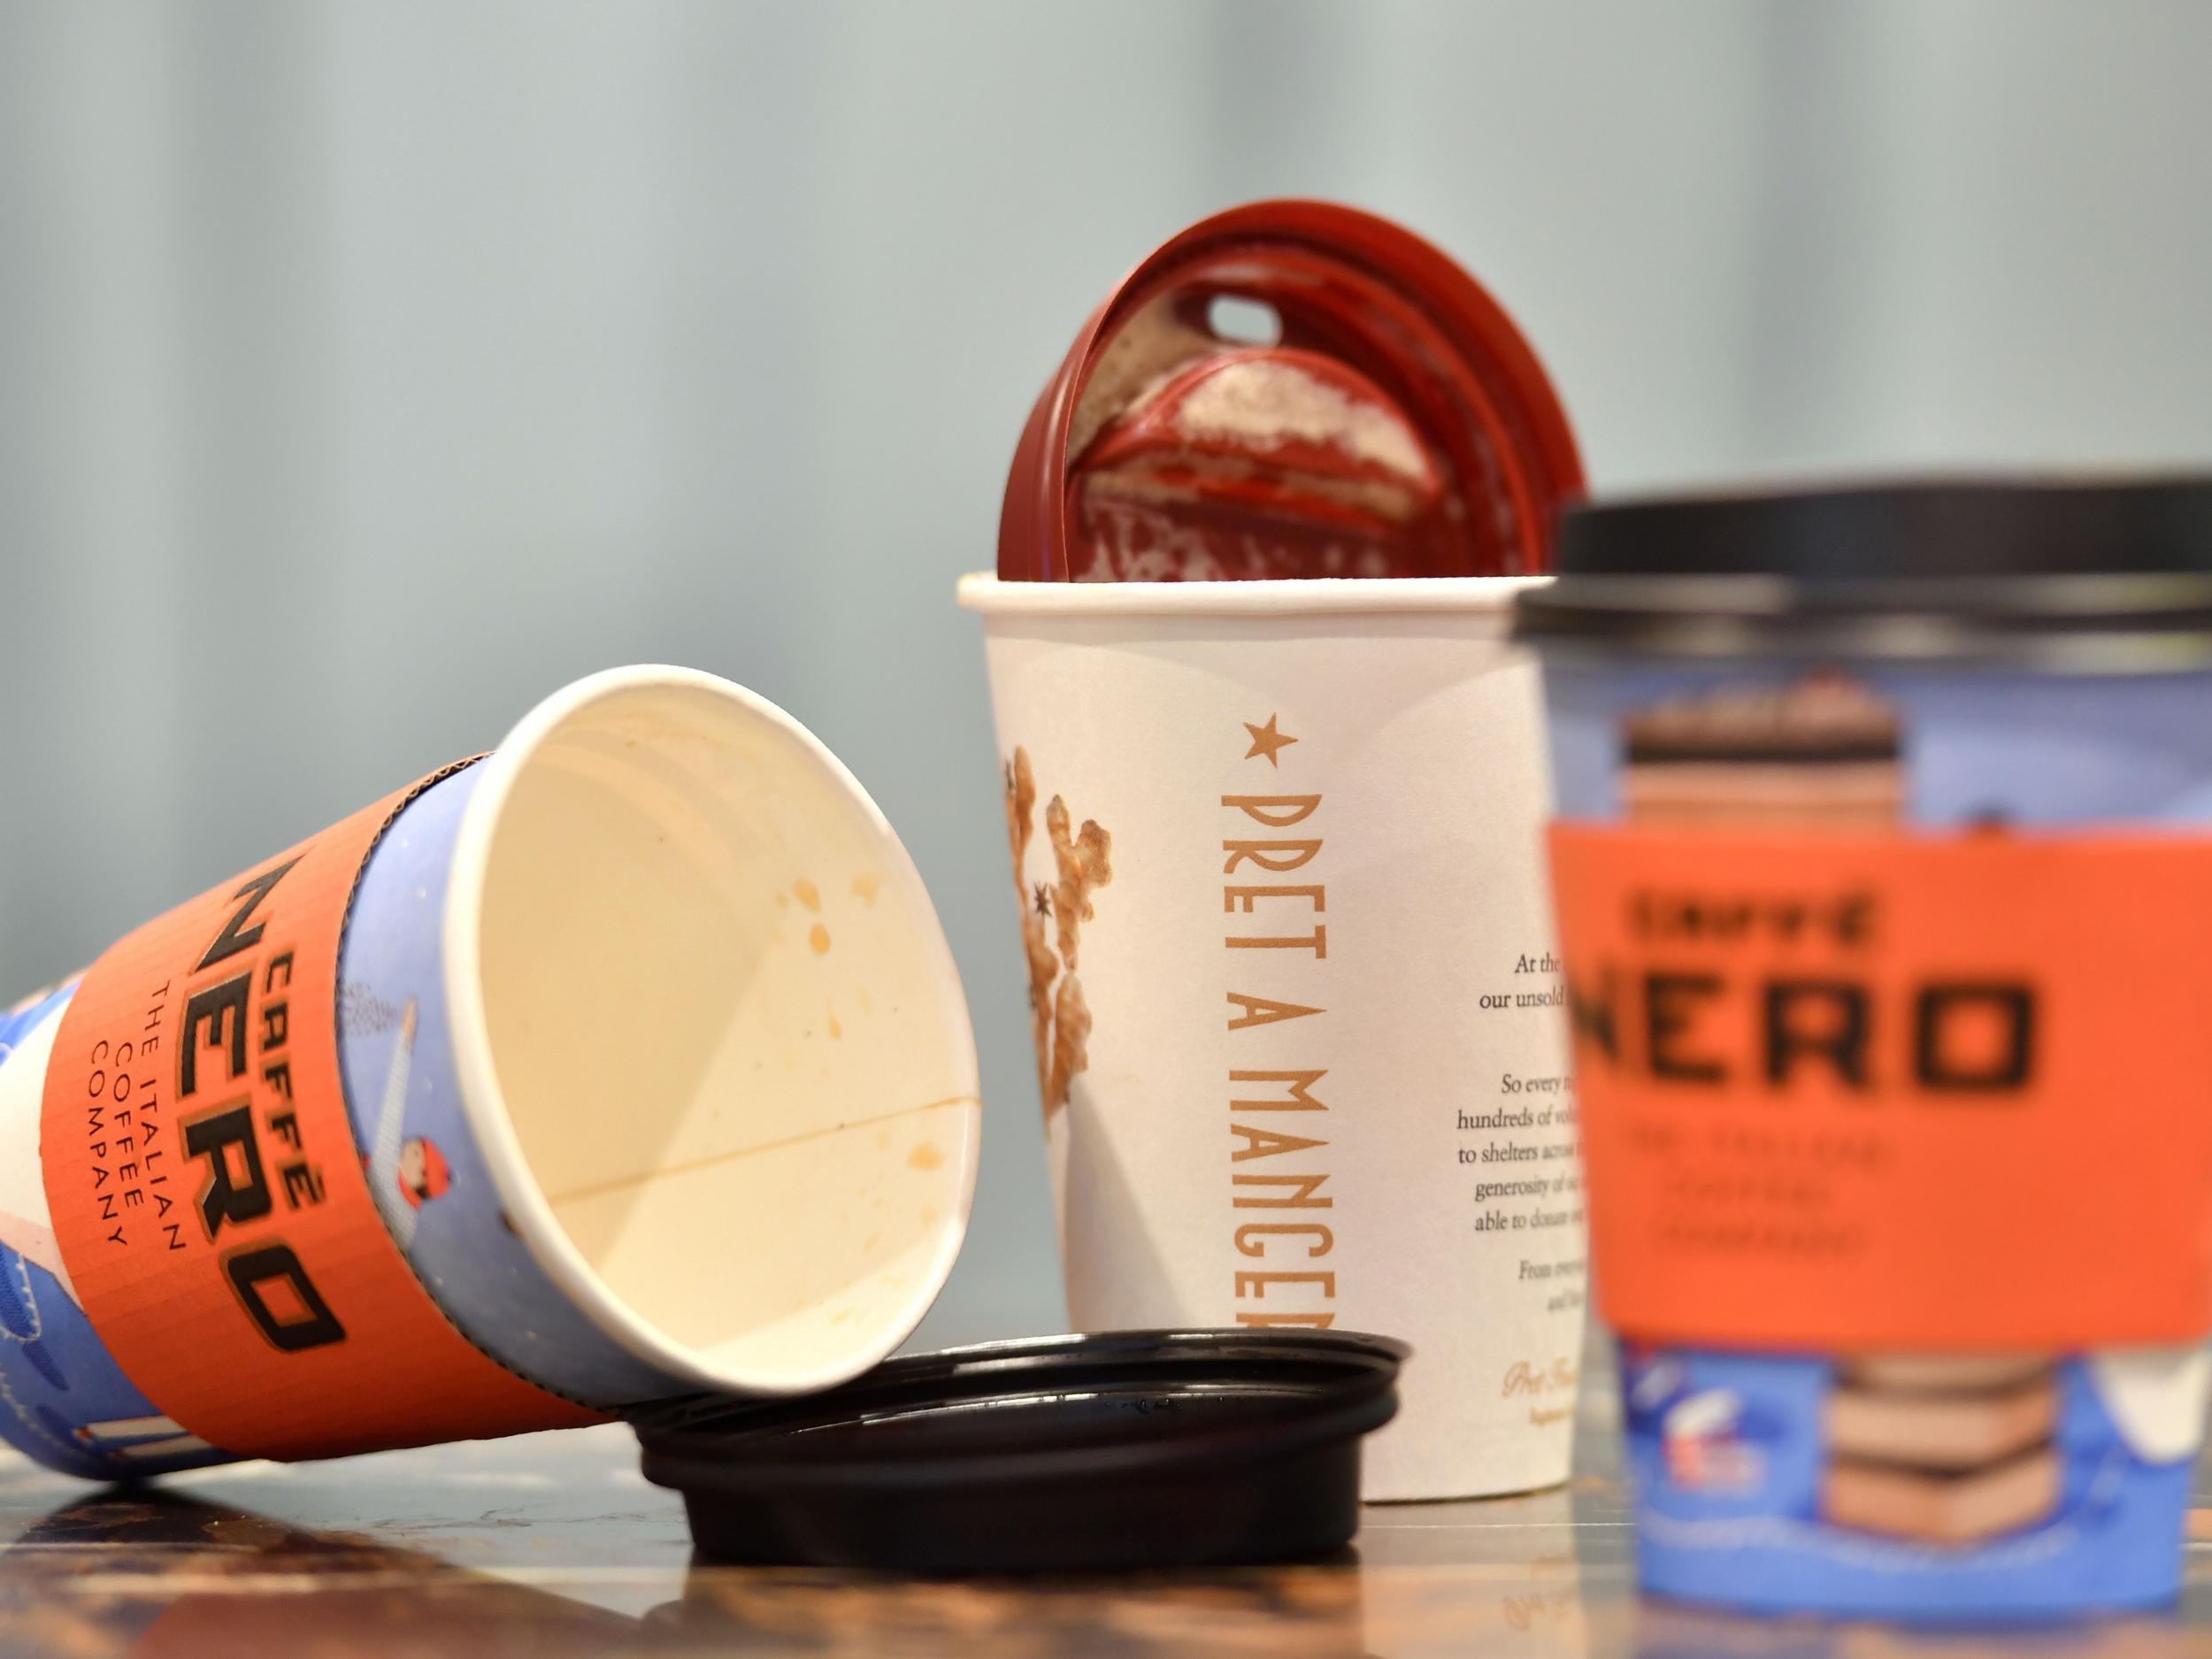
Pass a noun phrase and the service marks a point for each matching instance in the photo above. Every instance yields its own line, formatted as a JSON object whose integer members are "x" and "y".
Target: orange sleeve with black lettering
{"x": 1843, "y": 1091}
{"x": 208, "y": 1197}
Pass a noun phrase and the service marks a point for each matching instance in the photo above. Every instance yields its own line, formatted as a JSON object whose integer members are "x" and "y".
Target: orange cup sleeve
{"x": 1845, "y": 1092}
{"x": 208, "y": 1197}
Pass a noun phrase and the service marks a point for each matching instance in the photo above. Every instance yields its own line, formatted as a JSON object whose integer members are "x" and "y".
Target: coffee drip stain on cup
{"x": 1060, "y": 1018}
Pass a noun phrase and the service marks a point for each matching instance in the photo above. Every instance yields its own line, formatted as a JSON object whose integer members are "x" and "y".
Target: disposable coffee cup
{"x": 1292, "y": 984}
{"x": 1274, "y": 783}
{"x": 626, "y": 1063}
{"x": 1882, "y": 872}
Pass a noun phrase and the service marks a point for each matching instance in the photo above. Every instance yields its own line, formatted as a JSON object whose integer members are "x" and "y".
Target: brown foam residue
{"x": 808, "y": 895}
{"x": 924, "y": 1156}
{"x": 866, "y": 884}
{"x": 817, "y": 936}
{"x": 1267, "y": 403}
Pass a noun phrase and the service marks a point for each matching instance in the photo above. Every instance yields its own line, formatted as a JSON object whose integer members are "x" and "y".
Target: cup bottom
{"x": 1930, "y": 1489}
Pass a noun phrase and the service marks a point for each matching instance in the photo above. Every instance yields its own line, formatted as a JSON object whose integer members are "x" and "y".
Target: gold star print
{"x": 1267, "y": 740}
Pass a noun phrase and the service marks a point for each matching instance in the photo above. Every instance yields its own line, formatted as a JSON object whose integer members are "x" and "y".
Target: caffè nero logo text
{"x": 1276, "y": 948}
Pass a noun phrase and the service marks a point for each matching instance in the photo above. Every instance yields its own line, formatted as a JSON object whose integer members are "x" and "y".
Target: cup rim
{"x": 991, "y": 595}
{"x": 484, "y": 1105}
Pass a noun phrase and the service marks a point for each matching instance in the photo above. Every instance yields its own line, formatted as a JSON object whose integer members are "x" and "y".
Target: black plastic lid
{"x": 2100, "y": 576}
{"x": 1129, "y": 1450}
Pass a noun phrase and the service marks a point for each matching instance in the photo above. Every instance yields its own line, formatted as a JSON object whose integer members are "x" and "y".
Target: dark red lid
{"x": 1463, "y": 452}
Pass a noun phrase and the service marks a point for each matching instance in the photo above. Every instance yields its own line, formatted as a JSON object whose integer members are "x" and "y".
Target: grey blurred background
{"x": 367, "y": 371}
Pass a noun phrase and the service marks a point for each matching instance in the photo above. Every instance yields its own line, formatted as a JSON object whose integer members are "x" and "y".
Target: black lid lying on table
{"x": 2100, "y": 576}
{"x": 1123, "y": 1451}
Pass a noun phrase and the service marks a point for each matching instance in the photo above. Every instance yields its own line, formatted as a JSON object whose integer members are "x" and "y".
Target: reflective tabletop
{"x": 553, "y": 1545}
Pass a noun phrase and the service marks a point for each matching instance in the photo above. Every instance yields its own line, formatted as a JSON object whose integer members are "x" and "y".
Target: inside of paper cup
{"x": 728, "y": 1037}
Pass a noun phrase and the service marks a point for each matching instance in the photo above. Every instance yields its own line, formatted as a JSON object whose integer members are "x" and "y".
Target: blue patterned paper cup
{"x": 1936, "y": 1487}
{"x": 657, "y": 1062}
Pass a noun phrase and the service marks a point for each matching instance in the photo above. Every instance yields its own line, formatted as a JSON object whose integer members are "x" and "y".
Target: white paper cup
{"x": 1293, "y": 984}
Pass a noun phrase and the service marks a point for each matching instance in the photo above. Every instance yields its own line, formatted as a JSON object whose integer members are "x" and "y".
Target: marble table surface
{"x": 552, "y": 1545}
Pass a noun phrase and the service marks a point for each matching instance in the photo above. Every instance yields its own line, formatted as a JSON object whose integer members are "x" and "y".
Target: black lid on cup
{"x": 2107, "y": 576}
{"x": 1108, "y": 1452}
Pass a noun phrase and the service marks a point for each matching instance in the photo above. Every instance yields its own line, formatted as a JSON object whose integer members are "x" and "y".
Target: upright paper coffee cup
{"x": 1276, "y": 847}
{"x": 1881, "y": 874}
{"x": 627, "y": 1062}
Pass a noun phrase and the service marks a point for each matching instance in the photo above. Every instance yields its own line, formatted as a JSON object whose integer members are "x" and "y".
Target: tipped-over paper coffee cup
{"x": 625, "y": 1063}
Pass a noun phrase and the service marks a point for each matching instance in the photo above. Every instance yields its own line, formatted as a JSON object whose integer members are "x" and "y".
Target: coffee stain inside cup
{"x": 599, "y": 1189}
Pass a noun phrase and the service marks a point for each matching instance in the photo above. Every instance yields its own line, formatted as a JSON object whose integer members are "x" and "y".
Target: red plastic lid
{"x": 1400, "y": 423}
